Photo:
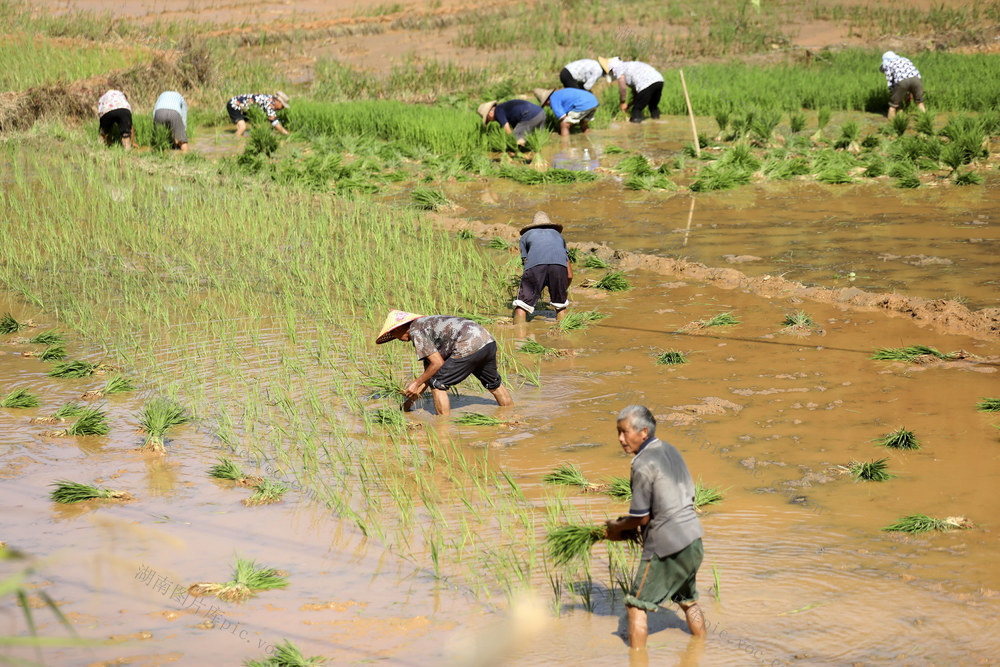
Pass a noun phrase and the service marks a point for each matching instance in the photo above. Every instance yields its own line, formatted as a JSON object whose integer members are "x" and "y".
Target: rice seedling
{"x": 718, "y": 588}
{"x": 579, "y": 319}
{"x": 67, "y": 492}
{"x": 92, "y": 421}
{"x": 528, "y": 176}
{"x": 478, "y": 419}
{"x": 566, "y": 474}
{"x": 9, "y": 325}
{"x": 500, "y": 243}
{"x": 118, "y": 384}
{"x": 620, "y": 488}
{"x": 785, "y": 168}
{"x": 534, "y": 347}
{"x": 247, "y": 579}
{"x": 20, "y": 398}
{"x": 921, "y": 523}
{"x": 870, "y": 142}
{"x": 799, "y": 319}
{"x": 722, "y": 119}
{"x": 465, "y": 235}
{"x": 720, "y": 177}
{"x": 907, "y": 181}
{"x": 740, "y": 155}
{"x": 286, "y": 654}
{"x": 925, "y": 123}
{"x": 226, "y": 469}
{"x": 68, "y": 410}
{"x": 822, "y": 117}
{"x": 870, "y": 471}
{"x": 968, "y": 177}
{"x": 671, "y": 357}
{"x": 262, "y": 141}
{"x": 763, "y": 124}
{"x": 537, "y": 139}
{"x": 899, "y": 439}
{"x": 569, "y": 543}
{"x": 50, "y": 337}
{"x": 612, "y": 149}
{"x": 156, "y": 418}
{"x": 875, "y": 168}
{"x": 72, "y": 369}
{"x": 988, "y": 405}
{"x": 721, "y": 320}
{"x": 594, "y": 262}
{"x": 637, "y": 165}
{"x": 53, "y": 353}
{"x": 266, "y": 491}
{"x": 429, "y": 199}
{"x": 849, "y": 132}
{"x": 387, "y": 417}
{"x": 706, "y": 495}
{"x": 613, "y": 281}
{"x": 649, "y": 182}
{"x": 797, "y": 121}
{"x": 913, "y": 353}
{"x": 834, "y": 175}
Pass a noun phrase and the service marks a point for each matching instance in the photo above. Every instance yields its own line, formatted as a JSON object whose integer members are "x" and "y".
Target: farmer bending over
{"x": 663, "y": 508}
{"x": 171, "y": 111}
{"x": 646, "y": 84}
{"x": 269, "y": 104}
{"x": 581, "y": 74}
{"x": 570, "y": 106}
{"x": 452, "y": 349}
{"x": 546, "y": 264}
{"x": 903, "y": 80}
{"x": 517, "y": 117}
{"x": 114, "y": 110}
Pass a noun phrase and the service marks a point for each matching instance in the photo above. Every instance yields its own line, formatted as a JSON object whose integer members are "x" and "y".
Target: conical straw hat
{"x": 605, "y": 64}
{"x": 543, "y": 94}
{"x": 541, "y": 219}
{"x": 484, "y": 109}
{"x": 395, "y": 319}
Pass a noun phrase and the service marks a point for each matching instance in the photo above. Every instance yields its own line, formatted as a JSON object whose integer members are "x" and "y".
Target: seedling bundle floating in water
{"x": 921, "y": 523}
{"x": 595, "y": 262}
{"x": 286, "y": 654}
{"x": 73, "y": 369}
{"x": 247, "y": 580}
{"x": 118, "y": 384}
{"x": 534, "y": 347}
{"x": 266, "y": 491}
{"x": 579, "y": 319}
{"x": 20, "y": 398}
{"x": 613, "y": 281}
{"x": 870, "y": 471}
{"x": 671, "y": 357}
{"x": 988, "y": 405}
{"x": 911, "y": 353}
{"x": 67, "y": 492}
{"x": 9, "y": 325}
{"x": 479, "y": 419}
{"x": 726, "y": 319}
{"x": 899, "y": 439}
{"x": 567, "y": 474}
{"x": 49, "y": 337}
{"x": 92, "y": 421}
{"x": 798, "y": 319}
{"x": 227, "y": 469}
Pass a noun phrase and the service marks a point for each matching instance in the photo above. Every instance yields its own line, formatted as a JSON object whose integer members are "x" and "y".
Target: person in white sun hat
{"x": 904, "y": 82}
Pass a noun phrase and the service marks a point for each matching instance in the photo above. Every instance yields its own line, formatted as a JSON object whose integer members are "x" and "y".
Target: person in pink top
{"x": 113, "y": 110}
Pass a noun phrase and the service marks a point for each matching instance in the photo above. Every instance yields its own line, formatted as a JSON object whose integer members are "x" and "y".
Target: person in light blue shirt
{"x": 171, "y": 110}
{"x": 571, "y": 106}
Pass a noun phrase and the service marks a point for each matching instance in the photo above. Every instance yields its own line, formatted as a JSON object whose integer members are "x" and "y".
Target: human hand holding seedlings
{"x": 625, "y": 527}
{"x": 432, "y": 364}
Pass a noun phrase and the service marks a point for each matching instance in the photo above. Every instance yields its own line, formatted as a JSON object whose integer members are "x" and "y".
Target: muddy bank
{"x": 943, "y": 315}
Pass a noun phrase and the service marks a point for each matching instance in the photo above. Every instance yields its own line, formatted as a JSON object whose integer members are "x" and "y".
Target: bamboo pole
{"x": 694, "y": 130}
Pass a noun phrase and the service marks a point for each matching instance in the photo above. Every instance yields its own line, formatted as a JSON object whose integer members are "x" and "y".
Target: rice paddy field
{"x": 202, "y": 455}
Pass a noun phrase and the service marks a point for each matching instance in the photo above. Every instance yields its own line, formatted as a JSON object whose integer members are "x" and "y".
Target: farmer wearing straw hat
{"x": 646, "y": 84}
{"x": 517, "y": 117}
{"x": 903, "y": 80}
{"x": 663, "y": 510}
{"x": 269, "y": 104}
{"x": 546, "y": 264}
{"x": 570, "y": 105}
{"x": 582, "y": 74}
{"x": 452, "y": 349}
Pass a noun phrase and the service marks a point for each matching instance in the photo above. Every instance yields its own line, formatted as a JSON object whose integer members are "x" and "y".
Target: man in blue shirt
{"x": 571, "y": 106}
{"x": 517, "y": 117}
{"x": 546, "y": 264}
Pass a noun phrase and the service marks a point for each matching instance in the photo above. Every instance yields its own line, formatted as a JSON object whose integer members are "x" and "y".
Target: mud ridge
{"x": 943, "y": 315}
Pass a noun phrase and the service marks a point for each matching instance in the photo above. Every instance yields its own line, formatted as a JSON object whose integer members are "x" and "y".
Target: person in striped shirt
{"x": 269, "y": 104}
{"x": 903, "y": 80}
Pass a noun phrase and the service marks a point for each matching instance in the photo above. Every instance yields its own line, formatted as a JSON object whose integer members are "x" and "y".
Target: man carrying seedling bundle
{"x": 581, "y": 74}
{"x": 663, "y": 509}
{"x": 903, "y": 80}
{"x": 452, "y": 349}
{"x": 646, "y": 84}
{"x": 517, "y": 117}
{"x": 546, "y": 264}
{"x": 269, "y": 104}
{"x": 570, "y": 106}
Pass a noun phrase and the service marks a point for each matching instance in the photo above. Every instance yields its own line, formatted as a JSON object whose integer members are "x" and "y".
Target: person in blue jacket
{"x": 571, "y": 106}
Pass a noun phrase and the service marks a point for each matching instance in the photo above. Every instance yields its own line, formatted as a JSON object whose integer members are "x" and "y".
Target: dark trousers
{"x": 647, "y": 97}
{"x": 568, "y": 81}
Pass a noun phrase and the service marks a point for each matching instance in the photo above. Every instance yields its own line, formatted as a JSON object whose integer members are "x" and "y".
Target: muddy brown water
{"x": 806, "y": 575}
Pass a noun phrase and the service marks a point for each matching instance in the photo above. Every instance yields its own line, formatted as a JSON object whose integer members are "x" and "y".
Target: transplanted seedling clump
{"x": 899, "y": 439}
{"x": 247, "y": 579}
{"x": 671, "y": 357}
{"x": 870, "y": 471}
{"x": 20, "y": 398}
{"x": 286, "y": 654}
{"x": 67, "y": 492}
{"x": 157, "y": 417}
{"x": 921, "y": 523}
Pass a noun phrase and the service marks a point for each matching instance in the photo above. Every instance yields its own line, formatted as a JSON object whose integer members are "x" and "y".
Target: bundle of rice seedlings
{"x": 568, "y": 543}
{"x": 740, "y": 155}
{"x": 876, "y": 167}
{"x": 92, "y": 421}
{"x": 911, "y": 353}
{"x": 478, "y": 419}
{"x": 73, "y": 369}
{"x": 498, "y": 243}
{"x": 68, "y": 410}
{"x": 871, "y": 141}
{"x": 579, "y": 319}
{"x": 620, "y": 488}
{"x": 988, "y": 405}
{"x": 286, "y": 654}
{"x": 388, "y": 417}
{"x": 50, "y": 337}
{"x": 594, "y": 262}
{"x": 925, "y": 123}
{"x": 899, "y": 439}
{"x": 262, "y": 141}
{"x": 968, "y": 177}
{"x": 118, "y": 384}
{"x": 67, "y": 492}
{"x": 721, "y": 320}
{"x": 834, "y": 175}
{"x": 53, "y": 353}
{"x": 783, "y": 169}
{"x": 649, "y": 182}
{"x": 573, "y": 254}
{"x": 799, "y": 319}
{"x": 899, "y": 123}
{"x": 247, "y": 580}
{"x": 20, "y": 398}
{"x": 613, "y": 281}
{"x": 720, "y": 177}
{"x": 465, "y": 235}
{"x": 870, "y": 471}
{"x": 636, "y": 165}
{"x": 823, "y": 117}
{"x": 763, "y": 124}
{"x": 266, "y": 491}
{"x": 612, "y": 149}
{"x": 722, "y": 119}
{"x": 534, "y": 347}
{"x": 797, "y": 121}
{"x": 706, "y": 495}
{"x": 671, "y": 357}
{"x": 566, "y": 474}
{"x": 921, "y": 523}
{"x": 429, "y": 199}
{"x": 9, "y": 325}
{"x": 849, "y": 133}
{"x": 156, "y": 418}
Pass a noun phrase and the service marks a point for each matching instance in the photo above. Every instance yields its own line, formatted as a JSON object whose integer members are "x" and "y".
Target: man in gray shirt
{"x": 546, "y": 264}
{"x": 663, "y": 509}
